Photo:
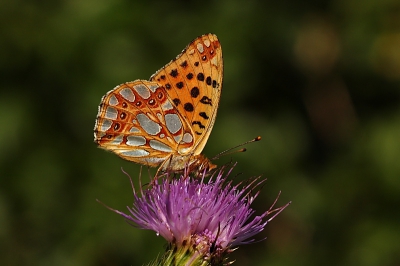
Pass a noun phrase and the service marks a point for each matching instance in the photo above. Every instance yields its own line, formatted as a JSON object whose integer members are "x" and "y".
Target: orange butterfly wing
{"x": 168, "y": 119}
{"x": 194, "y": 82}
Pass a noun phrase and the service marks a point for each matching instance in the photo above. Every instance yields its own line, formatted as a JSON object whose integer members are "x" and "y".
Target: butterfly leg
{"x": 165, "y": 165}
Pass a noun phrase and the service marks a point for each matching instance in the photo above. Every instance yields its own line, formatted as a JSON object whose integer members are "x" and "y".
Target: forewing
{"x": 193, "y": 82}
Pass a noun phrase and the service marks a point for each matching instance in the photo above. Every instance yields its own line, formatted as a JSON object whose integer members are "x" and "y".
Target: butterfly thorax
{"x": 196, "y": 163}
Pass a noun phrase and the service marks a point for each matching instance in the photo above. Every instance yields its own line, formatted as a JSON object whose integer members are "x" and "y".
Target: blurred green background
{"x": 318, "y": 80}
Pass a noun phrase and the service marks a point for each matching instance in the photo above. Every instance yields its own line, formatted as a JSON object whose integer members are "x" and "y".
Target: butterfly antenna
{"x": 231, "y": 150}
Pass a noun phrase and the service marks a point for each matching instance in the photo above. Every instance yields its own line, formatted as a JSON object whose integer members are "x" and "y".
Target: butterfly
{"x": 166, "y": 121}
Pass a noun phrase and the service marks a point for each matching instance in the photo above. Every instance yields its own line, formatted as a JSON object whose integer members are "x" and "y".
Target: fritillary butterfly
{"x": 166, "y": 120}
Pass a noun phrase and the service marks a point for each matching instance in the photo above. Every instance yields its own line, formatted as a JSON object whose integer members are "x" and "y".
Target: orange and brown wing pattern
{"x": 137, "y": 121}
{"x": 193, "y": 81}
{"x": 169, "y": 117}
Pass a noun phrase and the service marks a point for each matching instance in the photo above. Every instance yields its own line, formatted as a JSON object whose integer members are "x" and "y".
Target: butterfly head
{"x": 202, "y": 164}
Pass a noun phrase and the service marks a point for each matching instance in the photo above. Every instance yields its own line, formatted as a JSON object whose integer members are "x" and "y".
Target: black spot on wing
{"x": 206, "y": 100}
{"x": 188, "y": 107}
{"x": 176, "y": 101}
{"x": 194, "y": 92}
{"x": 204, "y": 115}
{"x": 189, "y": 76}
{"x": 201, "y": 126}
{"x": 200, "y": 76}
{"x": 174, "y": 73}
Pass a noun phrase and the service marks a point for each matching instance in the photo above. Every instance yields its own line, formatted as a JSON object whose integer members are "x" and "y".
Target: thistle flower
{"x": 203, "y": 219}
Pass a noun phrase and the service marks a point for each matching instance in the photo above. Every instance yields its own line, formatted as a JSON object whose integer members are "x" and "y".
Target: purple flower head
{"x": 211, "y": 214}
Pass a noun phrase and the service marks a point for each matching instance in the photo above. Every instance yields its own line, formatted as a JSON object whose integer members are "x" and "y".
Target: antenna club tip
{"x": 257, "y": 138}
